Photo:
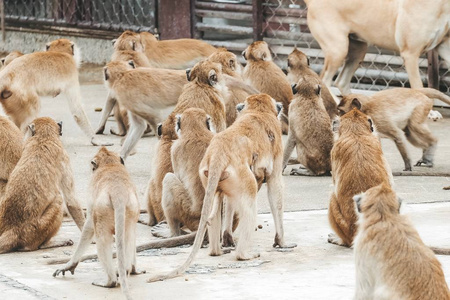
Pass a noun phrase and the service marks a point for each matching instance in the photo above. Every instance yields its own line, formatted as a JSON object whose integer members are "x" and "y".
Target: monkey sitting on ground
{"x": 31, "y": 208}
{"x": 298, "y": 67}
{"x": 10, "y": 57}
{"x": 357, "y": 164}
{"x": 226, "y": 171}
{"x": 309, "y": 129}
{"x": 112, "y": 214}
{"x": 401, "y": 114}
{"x": 38, "y": 74}
{"x": 169, "y": 54}
{"x": 11, "y": 147}
{"x": 391, "y": 260}
{"x": 264, "y": 75}
{"x": 182, "y": 194}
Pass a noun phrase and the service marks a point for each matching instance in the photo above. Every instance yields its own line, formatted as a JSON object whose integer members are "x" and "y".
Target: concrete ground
{"x": 313, "y": 270}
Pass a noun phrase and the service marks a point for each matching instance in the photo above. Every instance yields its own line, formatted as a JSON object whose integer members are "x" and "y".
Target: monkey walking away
{"x": 112, "y": 215}
{"x": 358, "y": 164}
{"x": 31, "y": 208}
{"x": 401, "y": 114}
{"x": 226, "y": 171}
{"x": 391, "y": 260}
{"x": 47, "y": 73}
{"x": 11, "y": 147}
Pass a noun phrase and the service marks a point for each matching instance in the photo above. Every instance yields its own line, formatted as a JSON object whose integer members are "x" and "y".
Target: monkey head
{"x": 307, "y": 87}
{"x": 115, "y": 69}
{"x": 351, "y": 101}
{"x": 10, "y": 57}
{"x": 260, "y": 102}
{"x": 378, "y": 202}
{"x": 297, "y": 59}
{"x": 139, "y": 59}
{"x": 207, "y": 73}
{"x": 257, "y": 51}
{"x": 166, "y": 129}
{"x": 193, "y": 120}
{"x": 128, "y": 40}
{"x": 356, "y": 122}
{"x": 65, "y": 46}
{"x": 105, "y": 157}
{"x": 44, "y": 127}
{"x": 228, "y": 60}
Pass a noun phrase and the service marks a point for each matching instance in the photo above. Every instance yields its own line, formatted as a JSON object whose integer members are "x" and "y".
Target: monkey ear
{"x": 133, "y": 45}
{"x": 356, "y": 103}
{"x": 371, "y": 125}
{"x": 94, "y": 164}
{"x": 209, "y": 124}
{"x": 122, "y": 161}
{"x": 244, "y": 53}
{"x": 232, "y": 64}
{"x": 178, "y": 125}
{"x": 60, "y": 123}
{"x": 188, "y": 74}
{"x": 294, "y": 89}
{"x": 240, "y": 107}
{"x": 32, "y": 129}
{"x": 113, "y": 42}
{"x": 159, "y": 130}
{"x": 289, "y": 65}
{"x": 279, "y": 106}
{"x": 3, "y": 61}
{"x": 319, "y": 88}
{"x": 264, "y": 56}
{"x": 6, "y": 94}
{"x": 357, "y": 200}
{"x": 335, "y": 125}
{"x": 72, "y": 46}
{"x": 131, "y": 63}
{"x": 105, "y": 72}
{"x": 212, "y": 77}
{"x": 307, "y": 59}
{"x": 47, "y": 46}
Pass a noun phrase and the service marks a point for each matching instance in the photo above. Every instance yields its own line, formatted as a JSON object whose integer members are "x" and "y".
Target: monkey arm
{"x": 109, "y": 105}
{"x": 72, "y": 204}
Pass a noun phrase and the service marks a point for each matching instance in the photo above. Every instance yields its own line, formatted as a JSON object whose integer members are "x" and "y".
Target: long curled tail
{"x": 435, "y": 94}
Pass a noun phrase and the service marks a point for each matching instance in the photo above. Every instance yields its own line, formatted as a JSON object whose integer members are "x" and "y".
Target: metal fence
{"x": 284, "y": 27}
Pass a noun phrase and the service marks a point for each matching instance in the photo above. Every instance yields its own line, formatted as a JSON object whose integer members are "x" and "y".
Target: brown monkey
{"x": 298, "y": 66}
{"x": 392, "y": 262}
{"x": 112, "y": 215}
{"x": 168, "y": 54}
{"x": 144, "y": 92}
{"x": 401, "y": 114}
{"x": 31, "y": 208}
{"x": 226, "y": 171}
{"x": 264, "y": 75}
{"x": 310, "y": 129}
{"x": 358, "y": 164}
{"x": 10, "y": 57}
{"x": 47, "y": 73}
{"x": 182, "y": 194}
{"x": 11, "y": 147}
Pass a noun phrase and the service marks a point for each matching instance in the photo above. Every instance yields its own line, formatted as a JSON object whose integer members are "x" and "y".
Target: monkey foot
{"x": 71, "y": 269}
{"x": 446, "y": 188}
{"x": 100, "y": 130}
{"x": 247, "y": 256}
{"x": 54, "y": 244}
{"x": 161, "y": 230}
{"x": 135, "y": 271}
{"x": 334, "y": 239}
{"x": 293, "y": 161}
{"x": 302, "y": 172}
{"x": 227, "y": 240}
{"x": 118, "y": 133}
{"x": 105, "y": 283}
{"x": 424, "y": 163}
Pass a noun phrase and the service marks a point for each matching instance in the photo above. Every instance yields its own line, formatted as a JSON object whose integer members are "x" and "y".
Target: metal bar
{"x": 285, "y": 12}
{"x": 433, "y": 69}
{"x": 257, "y": 20}
{"x": 196, "y": 34}
{"x": 224, "y": 7}
{"x": 223, "y": 14}
{"x": 238, "y": 30}
{"x": 2, "y": 12}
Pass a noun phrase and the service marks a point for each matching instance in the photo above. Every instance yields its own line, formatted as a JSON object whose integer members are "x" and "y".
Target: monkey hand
{"x": 69, "y": 267}
{"x": 96, "y": 142}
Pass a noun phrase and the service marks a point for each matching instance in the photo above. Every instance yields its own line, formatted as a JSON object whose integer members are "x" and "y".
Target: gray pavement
{"x": 313, "y": 270}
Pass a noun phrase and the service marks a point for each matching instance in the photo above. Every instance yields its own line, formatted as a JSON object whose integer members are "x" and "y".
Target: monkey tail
{"x": 213, "y": 181}
{"x": 119, "y": 220}
{"x": 435, "y": 94}
{"x": 440, "y": 251}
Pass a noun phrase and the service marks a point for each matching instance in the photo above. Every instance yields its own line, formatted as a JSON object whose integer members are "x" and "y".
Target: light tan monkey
{"x": 298, "y": 66}
{"x": 162, "y": 164}
{"x": 226, "y": 171}
{"x": 168, "y": 54}
{"x": 31, "y": 208}
{"x": 392, "y": 262}
{"x": 144, "y": 92}
{"x": 183, "y": 193}
{"x": 112, "y": 214}
{"x": 47, "y": 73}
{"x": 310, "y": 129}
{"x": 401, "y": 114}
{"x": 344, "y": 29}
{"x": 121, "y": 114}
{"x": 10, "y": 57}
{"x": 264, "y": 75}
{"x": 357, "y": 164}
{"x": 11, "y": 147}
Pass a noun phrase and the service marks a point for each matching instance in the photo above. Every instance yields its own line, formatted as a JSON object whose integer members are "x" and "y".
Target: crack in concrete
{"x": 20, "y": 286}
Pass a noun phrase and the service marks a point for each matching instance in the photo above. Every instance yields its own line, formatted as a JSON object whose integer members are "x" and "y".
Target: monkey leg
{"x": 420, "y": 136}
{"x": 72, "y": 204}
{"x": 398, "y": 136}
{"x": 137, "y": 129}
{"x": 411, "y": 60}
{"x": 109, "y": 105}
{"x": 288, "y": 148}
{"x": 122, "y": 121}
{"x": 335, "y": 48}
{"x": 104, "y": 243}
{"x": 247, "y": 214}
{"x": 9, "y": 241}
{"x": 227, "y": 238}
{"x": 444, "y": 50}
{"x": 152, "y": 221}
{"x": 339, "y": 224}
{"x": 215, "y": 229}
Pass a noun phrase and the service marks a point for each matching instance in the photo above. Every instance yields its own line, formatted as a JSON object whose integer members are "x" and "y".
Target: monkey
{"x": 264, "y": 75}
{"x": 298, "y": 66}
{"x": 121, "y": 114}
{"x": 182, "y": 193}
{"x": 401, "y": 114}
{"x": 10, "y": 57}
{"x": 392, "y": 262}
{"x": 169, "y": 54}
{"x": 112, "y": 214}
{"x": 31, "y": 208}
{"x": 11, "y": 147}
{"x": 225, "y": 170}
{"x": 357, "y": 164}
{"x": 46, "y": 73}
{"x": 144, "y": 92}
{"x": 310, "y": 129}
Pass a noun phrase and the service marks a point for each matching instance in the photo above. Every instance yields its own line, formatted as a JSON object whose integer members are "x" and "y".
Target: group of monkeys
{"x": 220, "y": 143}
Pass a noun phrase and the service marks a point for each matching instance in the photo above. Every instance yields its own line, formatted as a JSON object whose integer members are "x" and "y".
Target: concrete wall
{"x": 97, "y": 51}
